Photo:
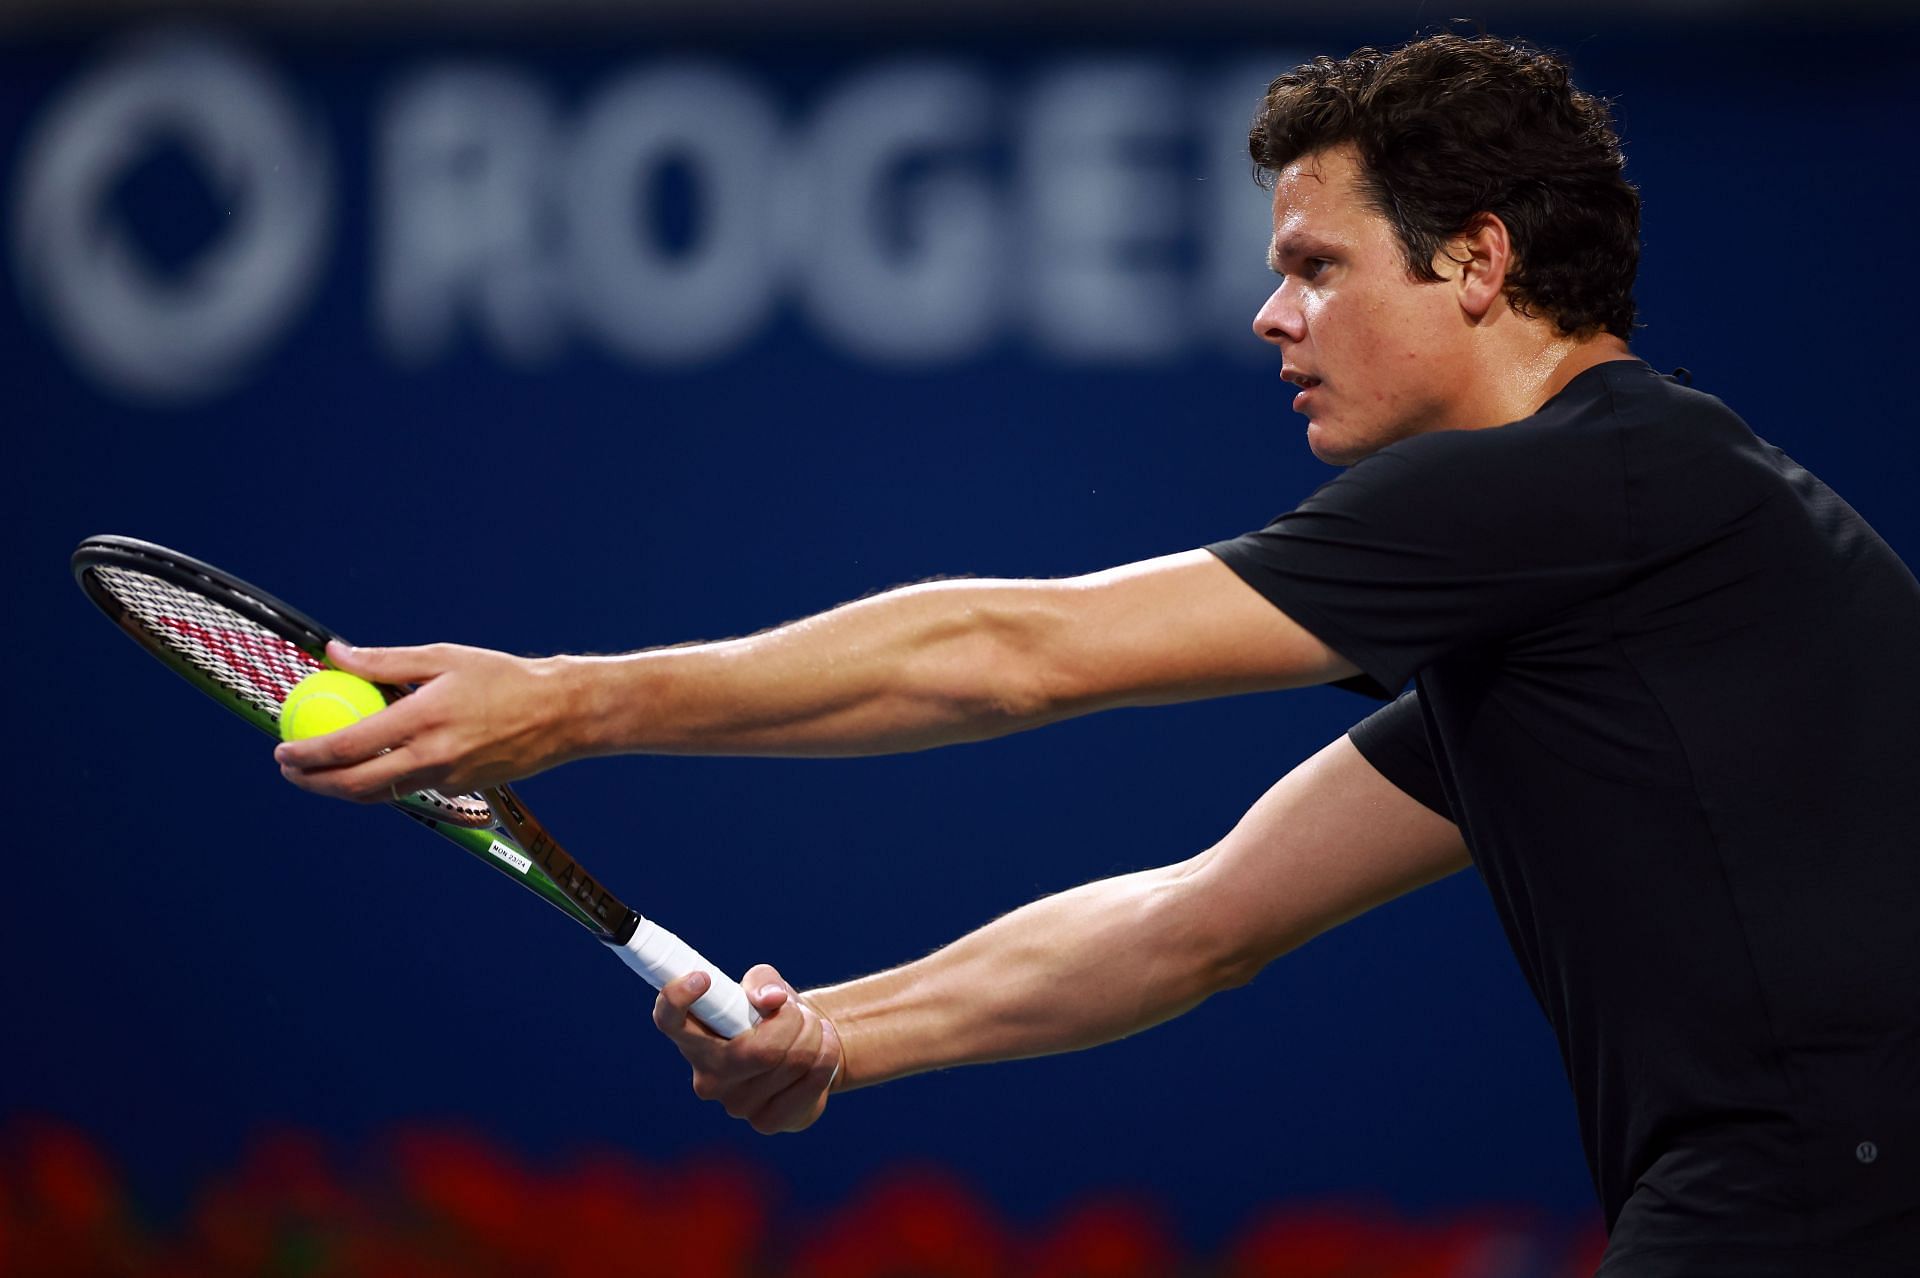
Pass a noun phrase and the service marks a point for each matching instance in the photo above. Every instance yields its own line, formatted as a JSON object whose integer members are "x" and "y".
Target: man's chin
{"x": 1332, "y": 448}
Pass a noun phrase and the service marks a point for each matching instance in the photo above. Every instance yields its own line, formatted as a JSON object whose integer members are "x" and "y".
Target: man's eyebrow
{"x": 1297, "y": 244}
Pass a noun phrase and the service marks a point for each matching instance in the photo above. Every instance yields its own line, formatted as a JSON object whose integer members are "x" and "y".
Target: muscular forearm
{"x": 917, "y": 667}
{"x": 1329, "y": 841}
{"x": 1087, "y": 966}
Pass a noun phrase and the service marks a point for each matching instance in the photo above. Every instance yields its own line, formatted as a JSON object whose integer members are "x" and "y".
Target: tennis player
{"x": 1664, "y": 694}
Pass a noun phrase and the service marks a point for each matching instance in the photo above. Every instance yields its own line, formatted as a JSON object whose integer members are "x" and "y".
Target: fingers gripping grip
{"x": 660, "y": 957}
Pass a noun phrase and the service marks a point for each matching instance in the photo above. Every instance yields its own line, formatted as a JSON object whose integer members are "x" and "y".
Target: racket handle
{"x": 660, "y": 957}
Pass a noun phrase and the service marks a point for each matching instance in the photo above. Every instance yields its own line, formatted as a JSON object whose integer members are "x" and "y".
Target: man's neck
{"x": 1520, "y": 384}
{"x": 1604, "y": 349}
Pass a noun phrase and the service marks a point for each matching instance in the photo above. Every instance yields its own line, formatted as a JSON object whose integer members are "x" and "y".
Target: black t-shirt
{"x": 1666, "y": 687}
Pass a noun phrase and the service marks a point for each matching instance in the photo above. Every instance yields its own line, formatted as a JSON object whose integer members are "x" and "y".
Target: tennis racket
{"x": 246, "y": 650}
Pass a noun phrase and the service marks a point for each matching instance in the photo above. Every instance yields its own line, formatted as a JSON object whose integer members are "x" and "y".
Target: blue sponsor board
{"x": 593, "y": 340}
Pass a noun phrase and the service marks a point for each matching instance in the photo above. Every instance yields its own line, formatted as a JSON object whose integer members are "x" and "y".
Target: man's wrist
{"x": 842, "y": 1079}
{"x": 583, "y": 723}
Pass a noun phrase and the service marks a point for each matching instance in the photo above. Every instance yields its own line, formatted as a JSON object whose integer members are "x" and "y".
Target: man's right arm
{"x": 916, "y": 667}
{"x": 1329, "y": 841}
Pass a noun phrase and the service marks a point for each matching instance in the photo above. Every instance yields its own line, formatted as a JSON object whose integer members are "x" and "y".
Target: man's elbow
{"x": 1239, "y": 966}
{"x": 973, "y": 680}
{"x": 1237, "y": 955}
{"x": 1226, "y": 942}
{"x": 998, "y": 662}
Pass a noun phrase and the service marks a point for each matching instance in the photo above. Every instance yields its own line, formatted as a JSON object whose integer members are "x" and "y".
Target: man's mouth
{"x": 1298, "y": 378}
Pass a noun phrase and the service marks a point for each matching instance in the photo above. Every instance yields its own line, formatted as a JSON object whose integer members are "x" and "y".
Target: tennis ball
{"x": 326, "y": 701}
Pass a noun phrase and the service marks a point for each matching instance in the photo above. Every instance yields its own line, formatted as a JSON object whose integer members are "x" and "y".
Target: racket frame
{"x": 510, "y": 840}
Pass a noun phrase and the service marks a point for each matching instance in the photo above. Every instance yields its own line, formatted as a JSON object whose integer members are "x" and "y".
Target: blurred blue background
{"x": 596, "y": 332}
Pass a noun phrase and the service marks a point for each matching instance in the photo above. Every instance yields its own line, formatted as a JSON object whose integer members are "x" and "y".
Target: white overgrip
{"x": 660, "y": 957}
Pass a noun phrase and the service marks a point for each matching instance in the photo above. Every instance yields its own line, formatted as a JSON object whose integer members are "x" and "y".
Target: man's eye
{"x": 1314, "y": 266}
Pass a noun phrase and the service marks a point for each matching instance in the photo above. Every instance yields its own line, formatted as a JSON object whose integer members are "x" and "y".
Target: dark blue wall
{"x": 192, "y": 949}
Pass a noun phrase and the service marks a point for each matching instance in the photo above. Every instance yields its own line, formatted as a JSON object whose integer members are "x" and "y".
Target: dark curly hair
{"x": 1452, "y": 126}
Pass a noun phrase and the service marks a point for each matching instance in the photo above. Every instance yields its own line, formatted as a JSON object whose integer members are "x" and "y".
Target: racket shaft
{"x": 660, "y": 957}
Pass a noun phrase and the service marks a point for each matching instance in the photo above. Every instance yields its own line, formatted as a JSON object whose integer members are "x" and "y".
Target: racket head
{"x": 235, "y": 642}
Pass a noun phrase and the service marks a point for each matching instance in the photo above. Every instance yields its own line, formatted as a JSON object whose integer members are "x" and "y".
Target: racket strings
{"x": 247, "y": 659}
{"x": 243, "y": 657}
{"x": 469, "y": 810}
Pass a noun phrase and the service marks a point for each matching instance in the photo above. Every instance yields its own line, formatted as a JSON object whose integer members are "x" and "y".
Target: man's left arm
{"x": 1331, "y": 840}
{"x": 912, "y": 668}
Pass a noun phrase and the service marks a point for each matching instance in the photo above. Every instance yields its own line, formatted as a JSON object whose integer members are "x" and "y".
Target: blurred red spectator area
{"x": 437, "y": 1200}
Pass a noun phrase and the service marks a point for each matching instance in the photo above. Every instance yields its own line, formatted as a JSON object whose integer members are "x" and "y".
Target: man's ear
{"x": 1480, "y": 257}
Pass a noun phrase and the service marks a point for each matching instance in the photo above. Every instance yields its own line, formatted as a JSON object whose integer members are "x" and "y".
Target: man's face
{"x": 1380, "y": 355}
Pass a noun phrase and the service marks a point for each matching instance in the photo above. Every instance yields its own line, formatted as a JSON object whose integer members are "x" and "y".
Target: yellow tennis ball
{"x": 326, "y": 701}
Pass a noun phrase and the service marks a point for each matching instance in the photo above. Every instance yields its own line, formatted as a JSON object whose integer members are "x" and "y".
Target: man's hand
{"x": 922, "y": 666}
{"x": 777, "y": 1075}
{"x": 478, "y": 718}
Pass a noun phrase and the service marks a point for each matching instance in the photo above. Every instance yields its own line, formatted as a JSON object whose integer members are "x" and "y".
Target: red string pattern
{"x": 253, "y": 663}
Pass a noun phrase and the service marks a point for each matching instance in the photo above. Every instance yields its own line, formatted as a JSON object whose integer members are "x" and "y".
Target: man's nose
{"x": 1279, "y": 320}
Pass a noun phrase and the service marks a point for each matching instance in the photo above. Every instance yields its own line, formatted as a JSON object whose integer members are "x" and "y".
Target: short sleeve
{"x": 1394, "y": 740}
{"x": 1443, "y": 542}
